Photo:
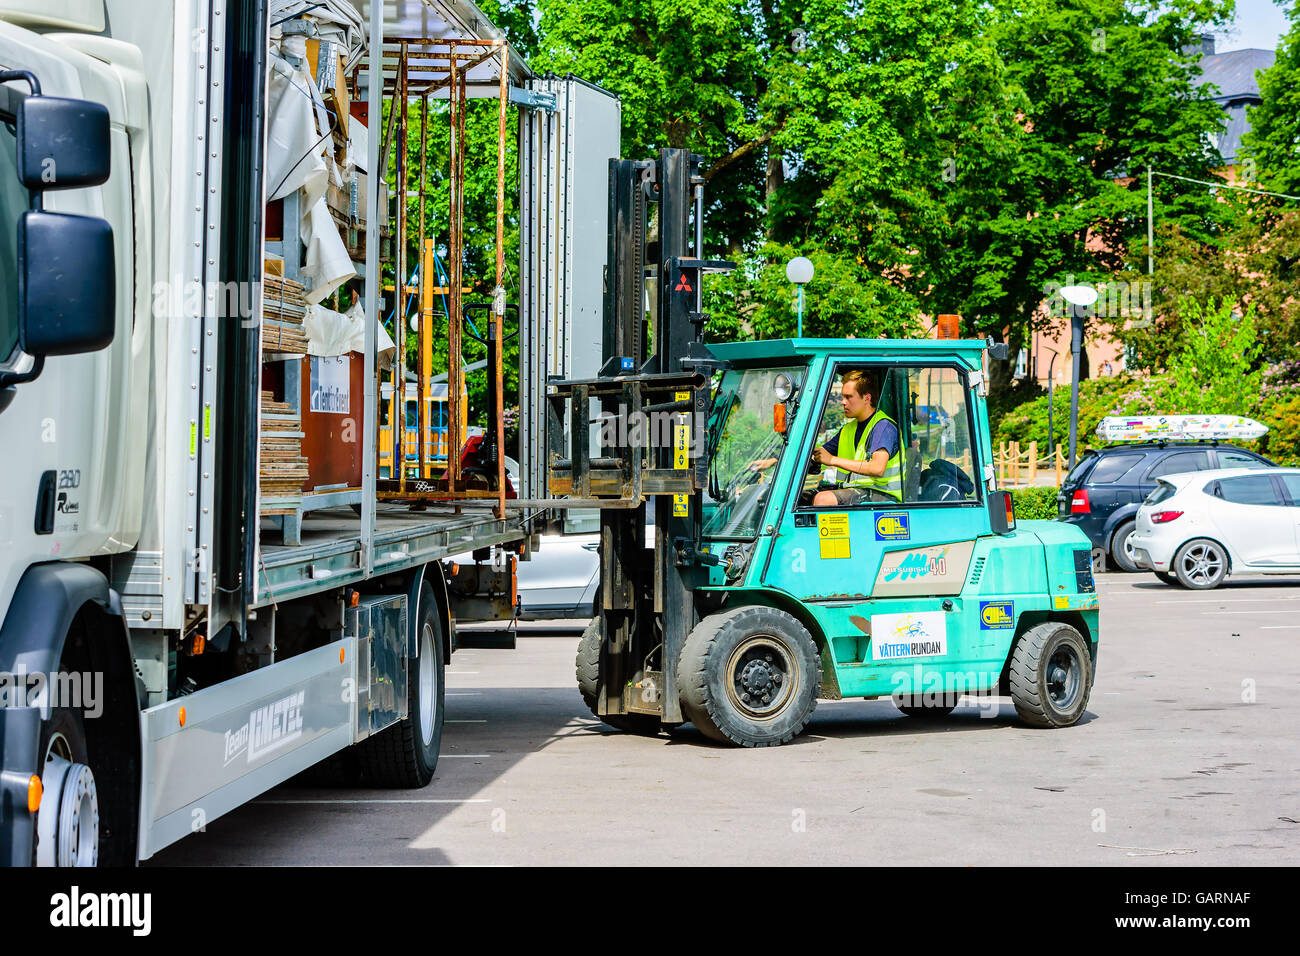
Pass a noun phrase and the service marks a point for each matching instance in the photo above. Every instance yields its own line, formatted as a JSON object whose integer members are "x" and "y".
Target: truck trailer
{"x": 207, "y": 586}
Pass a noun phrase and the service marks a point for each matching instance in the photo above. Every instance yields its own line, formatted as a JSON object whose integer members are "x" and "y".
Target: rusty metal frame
{"x": 454, "y": 57}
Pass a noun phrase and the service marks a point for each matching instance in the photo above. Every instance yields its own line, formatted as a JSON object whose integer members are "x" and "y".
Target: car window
{"x": 1238, "y": 459}
{"x": 1249, "y": 490}
{"x": 1180, "y": 461}
{"x": 1292, "y": 483}
{"x": 1077, "y": 471}
{"x": 1112, "y": 468}
{"x": 1163, "y": 491}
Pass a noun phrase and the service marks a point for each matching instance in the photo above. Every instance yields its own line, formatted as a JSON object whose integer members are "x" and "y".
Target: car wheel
{"x": 587, "y": 667}
{"x": 749, "y": 676}
{"x": 1121, "y": 547}
{"x": 1170, "y": 579}
{"x": 1201, "y": 564}
{"x": 1051, "y": 675}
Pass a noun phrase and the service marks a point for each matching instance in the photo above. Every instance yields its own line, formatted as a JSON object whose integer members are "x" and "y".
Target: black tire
{"x": 732, "y": 657}
{"x": 1051, "y": 675}
{"x": 587, "y": 668}
{"x": 406, "y": 754}
{"x": 63, "y": 736}
{"x": 1120, "y": 552}
{"x": 1201, "y": 564}
{"x": 1170, "y": 579}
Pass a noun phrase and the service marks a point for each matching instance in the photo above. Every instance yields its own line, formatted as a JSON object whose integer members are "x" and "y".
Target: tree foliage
{"x": 1273, "y": 141}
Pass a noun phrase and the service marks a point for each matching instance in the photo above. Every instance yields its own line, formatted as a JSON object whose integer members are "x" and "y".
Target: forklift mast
{"x": 654, "y": 386}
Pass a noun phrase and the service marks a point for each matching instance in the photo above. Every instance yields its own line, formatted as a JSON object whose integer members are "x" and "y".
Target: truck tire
{"x": 406, "y": 754}
{"x": 1201, "y": 564}
{"x": 587, "y": 667}
{"x": 67, "y": 822}
{"x": 1121, "y": 551}
{"x": 749, "y": 676}
{"x": 1051, "y": 675}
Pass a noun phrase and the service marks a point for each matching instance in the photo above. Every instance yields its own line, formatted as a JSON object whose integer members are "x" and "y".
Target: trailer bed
{"x": 330, "y": 553}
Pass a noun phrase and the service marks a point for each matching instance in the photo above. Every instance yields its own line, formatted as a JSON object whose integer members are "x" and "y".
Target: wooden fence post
{"x": 1033, "y": 462}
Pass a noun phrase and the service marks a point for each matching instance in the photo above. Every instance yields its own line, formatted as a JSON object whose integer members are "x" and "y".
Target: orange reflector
{"x": 354, "y": 598}
{"x": 778, "y": 418}
{"x": 341, "y": 653}
{"x": 180, "y": 716}
{"x": 455, "y": 570}
{"x": 1011, "y": 512}
{"x": 197, "y": 647}
{"x": 34, "y": 793}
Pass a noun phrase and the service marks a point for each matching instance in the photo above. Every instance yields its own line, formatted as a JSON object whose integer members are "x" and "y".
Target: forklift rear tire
{"x": 749, "y": 676}
{"x": 1051, "y": 675}
{"x": 924, "y": 712}
{"x": 1170, "y": 579}
{"x": 587, "y": 666}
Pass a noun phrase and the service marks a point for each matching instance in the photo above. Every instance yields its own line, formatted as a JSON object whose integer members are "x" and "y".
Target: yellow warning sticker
{"x": 833, "y": 534}
{"x": 679, "y": 506}
{"x": 207, "y": 422}
{"x": 681, "y": 442}
{"x": 1061, "y": 602}
{"x": 683, "y": 397}
{"x": 194, "y": 439}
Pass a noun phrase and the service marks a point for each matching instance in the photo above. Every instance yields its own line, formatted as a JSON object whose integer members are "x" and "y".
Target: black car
{"x": 1101, "y": 494}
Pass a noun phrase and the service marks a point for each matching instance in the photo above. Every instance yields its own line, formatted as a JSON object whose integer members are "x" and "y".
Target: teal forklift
{"x": 762, "y": 590}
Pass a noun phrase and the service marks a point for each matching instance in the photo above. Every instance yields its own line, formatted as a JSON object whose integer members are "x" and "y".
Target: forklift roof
{"x": 968, "y": 352}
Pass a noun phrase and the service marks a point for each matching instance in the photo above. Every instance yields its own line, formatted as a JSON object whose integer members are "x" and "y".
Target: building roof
{"x": 1234, "y": 73}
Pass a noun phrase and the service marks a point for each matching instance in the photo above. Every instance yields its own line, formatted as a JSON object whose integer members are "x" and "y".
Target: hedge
{"x": 1034, "y": 503}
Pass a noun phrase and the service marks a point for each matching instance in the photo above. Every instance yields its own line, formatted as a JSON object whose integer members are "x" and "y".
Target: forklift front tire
{"x": 749, "y": 676}
{"x": 588, "y": 674}
{"x": 1051, "y": 675}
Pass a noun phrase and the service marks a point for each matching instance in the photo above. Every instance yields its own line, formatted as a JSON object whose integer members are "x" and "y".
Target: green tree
{"x": 1273, "y": 140}
{"x": 1215, "y": 372}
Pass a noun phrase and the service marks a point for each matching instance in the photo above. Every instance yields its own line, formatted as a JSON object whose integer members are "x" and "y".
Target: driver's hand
{"x": 762, "y": 464}
{"x": 822, "y": 456}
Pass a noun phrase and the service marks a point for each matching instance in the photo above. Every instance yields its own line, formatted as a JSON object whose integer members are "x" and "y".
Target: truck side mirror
{"x": 66, "y": 275}
{"x": 62, "y": 143}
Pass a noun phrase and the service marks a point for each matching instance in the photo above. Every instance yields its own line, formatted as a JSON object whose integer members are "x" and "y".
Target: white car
{"x": 1198, "y": 527}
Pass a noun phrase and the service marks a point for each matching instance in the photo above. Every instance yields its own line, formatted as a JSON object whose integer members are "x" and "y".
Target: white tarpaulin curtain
{"x": 332, "y": 333}
{"x": 300, "y": 157}
{"x": 337, "y": 21}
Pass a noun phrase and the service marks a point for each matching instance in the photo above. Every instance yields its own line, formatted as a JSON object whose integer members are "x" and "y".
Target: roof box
{"x": 85, "y": 16}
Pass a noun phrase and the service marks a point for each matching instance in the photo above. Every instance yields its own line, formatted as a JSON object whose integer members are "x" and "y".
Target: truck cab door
{"x": 884, "y": 578}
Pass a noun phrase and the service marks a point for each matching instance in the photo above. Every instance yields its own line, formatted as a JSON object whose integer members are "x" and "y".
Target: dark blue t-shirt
{"x": 883, "y": 436}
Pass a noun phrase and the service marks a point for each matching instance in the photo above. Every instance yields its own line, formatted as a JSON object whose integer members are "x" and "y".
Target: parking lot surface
{"x": 1188, "y": 756}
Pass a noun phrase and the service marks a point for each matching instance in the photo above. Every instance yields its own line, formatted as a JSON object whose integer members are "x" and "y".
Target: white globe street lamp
{"x": 799, "y": 270}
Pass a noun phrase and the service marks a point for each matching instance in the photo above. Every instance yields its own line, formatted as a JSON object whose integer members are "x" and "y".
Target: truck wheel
{"x": 1201, "y": 564}
{"x": 406, "y": 754}
{"x": 749, "y": 676}
{"x": 1051, "y": 675}
{"x": 587, "y": 666}
{"x": 1121, "y": 547}
{"x": 67, "y": 822}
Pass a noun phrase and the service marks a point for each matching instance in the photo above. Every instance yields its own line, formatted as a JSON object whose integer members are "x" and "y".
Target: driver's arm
{"x": 874, "y": 466}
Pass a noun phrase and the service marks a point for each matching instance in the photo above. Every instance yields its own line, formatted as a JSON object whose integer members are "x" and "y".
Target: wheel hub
{"x": 67, "y": 823}
{"x": 760, "y": 677}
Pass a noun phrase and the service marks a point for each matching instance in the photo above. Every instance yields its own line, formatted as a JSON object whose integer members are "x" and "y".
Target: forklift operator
{"x": 867, "y": 448}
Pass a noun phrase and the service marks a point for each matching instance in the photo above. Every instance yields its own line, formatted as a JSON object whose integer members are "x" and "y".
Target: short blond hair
{"x": 864, "y": 383}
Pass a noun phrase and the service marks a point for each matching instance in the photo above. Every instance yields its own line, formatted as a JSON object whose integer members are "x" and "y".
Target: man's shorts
{"x": 851, "y": 497}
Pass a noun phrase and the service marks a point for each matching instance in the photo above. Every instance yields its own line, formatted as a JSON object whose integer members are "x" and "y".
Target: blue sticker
{"x": 997, "y": 615}
{"x": 893, "y": 526}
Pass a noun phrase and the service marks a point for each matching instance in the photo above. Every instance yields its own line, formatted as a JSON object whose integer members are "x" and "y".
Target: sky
{"x": 1259, "y": 24}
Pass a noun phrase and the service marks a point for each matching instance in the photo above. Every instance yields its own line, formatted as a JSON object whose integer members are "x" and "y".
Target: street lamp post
{"x": 799, "y": 270}
{"x": 1051, "y": 435}
{"x": 1080, "y": 298}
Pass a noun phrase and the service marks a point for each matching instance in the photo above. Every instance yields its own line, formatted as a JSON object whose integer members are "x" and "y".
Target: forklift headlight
{"x": 783, "y": 387}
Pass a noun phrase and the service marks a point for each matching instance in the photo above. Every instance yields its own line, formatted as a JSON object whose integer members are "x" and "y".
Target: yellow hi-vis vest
{"x": 891, "y": 482}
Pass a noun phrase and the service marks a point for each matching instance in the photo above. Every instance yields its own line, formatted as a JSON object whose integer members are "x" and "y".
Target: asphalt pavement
{"x": 1188, "y": 756}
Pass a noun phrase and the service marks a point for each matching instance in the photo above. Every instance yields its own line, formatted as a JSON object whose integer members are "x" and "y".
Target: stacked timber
{"x": 283, "y": 469}
{"x": 284, "y": 308}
